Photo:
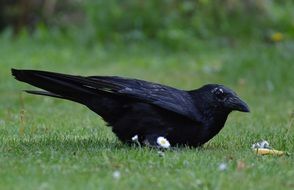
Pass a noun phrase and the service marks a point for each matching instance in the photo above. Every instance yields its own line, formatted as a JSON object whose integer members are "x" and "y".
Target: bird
{"x": 141, "y": 110}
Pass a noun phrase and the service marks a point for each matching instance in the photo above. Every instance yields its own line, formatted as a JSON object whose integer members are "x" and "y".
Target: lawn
{"x": 47, "y": 143}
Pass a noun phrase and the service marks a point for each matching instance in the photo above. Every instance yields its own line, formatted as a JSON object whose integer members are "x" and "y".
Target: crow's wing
{"x": 169, "y": 98}
{"x": 72, "y": 87}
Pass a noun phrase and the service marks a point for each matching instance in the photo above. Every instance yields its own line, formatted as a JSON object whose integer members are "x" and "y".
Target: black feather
{"x": 43, "y": 93}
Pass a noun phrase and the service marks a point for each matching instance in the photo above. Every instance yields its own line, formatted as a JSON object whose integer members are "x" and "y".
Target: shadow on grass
{"x": 91, "y": 144}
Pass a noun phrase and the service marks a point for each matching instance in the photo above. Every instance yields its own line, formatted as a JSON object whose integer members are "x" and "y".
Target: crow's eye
{"x": 219, "y": 93}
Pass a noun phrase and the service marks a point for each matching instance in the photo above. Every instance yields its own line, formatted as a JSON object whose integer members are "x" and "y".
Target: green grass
{"x": 47, "y": 143}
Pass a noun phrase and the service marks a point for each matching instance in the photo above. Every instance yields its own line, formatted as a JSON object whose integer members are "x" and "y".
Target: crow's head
{"x": 223, "y": 98}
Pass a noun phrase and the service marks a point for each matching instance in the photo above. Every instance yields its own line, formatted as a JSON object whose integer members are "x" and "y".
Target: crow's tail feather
{"x": 75, "y": 88}
{"x": 79, "y": 89}
{"x": 43, "y": 93}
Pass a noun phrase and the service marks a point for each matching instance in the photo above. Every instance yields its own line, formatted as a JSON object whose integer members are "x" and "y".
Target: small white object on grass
{"x": 264, "y": 144}
{"x": 135, "y": 138}
{"x": 116, "y": 174}
{"x": 263, "y": 148}
{"x": 261, "y": 144}
{"x": 163, "y": 142}
{"x": 222, "y": 167}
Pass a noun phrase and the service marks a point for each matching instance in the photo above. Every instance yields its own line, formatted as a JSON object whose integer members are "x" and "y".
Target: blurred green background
{"x": 174, "y": 23}
{"x": 247, "y": 45}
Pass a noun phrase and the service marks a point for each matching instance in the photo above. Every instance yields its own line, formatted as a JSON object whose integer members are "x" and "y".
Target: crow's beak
{"x": 235, "y": 103}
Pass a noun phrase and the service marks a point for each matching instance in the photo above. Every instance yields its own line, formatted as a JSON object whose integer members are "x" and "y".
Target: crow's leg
{"x": 150, "y": 140}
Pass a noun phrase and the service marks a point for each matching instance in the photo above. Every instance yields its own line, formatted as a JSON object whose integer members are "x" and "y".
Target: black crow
{"x": 143, "y": 110}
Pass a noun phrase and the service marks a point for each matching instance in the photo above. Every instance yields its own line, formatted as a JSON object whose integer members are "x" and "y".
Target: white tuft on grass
{"x": 261, "y": 144}
{"x": 116, "y": 174}
{"x": 222, "y": 167}
{"x": 135, "y": 138}
{"x": 163, "y": 142}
